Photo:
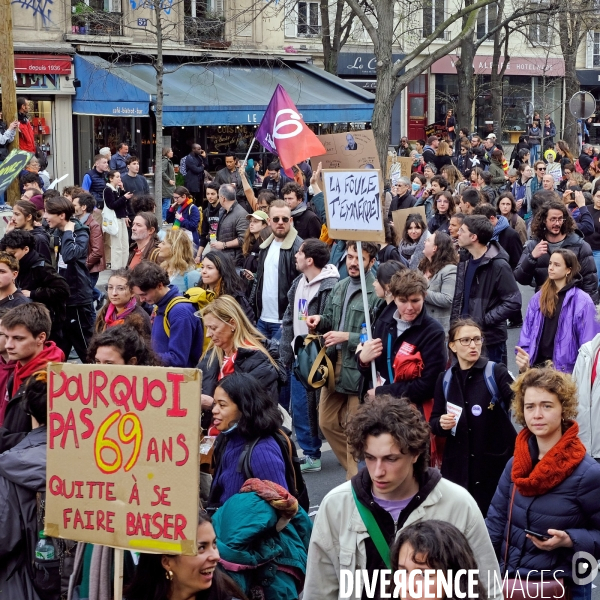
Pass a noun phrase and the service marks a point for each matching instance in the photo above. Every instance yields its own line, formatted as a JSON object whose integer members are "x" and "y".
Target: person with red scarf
{"x": 547, "y": 506}
{"x": 184, "y": 214}
{"x": 26, "y": 329}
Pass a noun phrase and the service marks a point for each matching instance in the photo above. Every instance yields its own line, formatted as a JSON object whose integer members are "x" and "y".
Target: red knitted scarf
{"x": 558, "y": 463}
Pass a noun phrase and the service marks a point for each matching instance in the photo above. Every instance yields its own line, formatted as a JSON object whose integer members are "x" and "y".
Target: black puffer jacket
{"x": 74, "y": 250}
{"x": 287, "y": 271}
{"x": 494, "y": 296}
{"x": 572, "y": 506}
{"x": 534, "y": 271}
{"x": 42, "y": 242}
{"x": 426, "y": 336}
{"x": 475, "y": 457}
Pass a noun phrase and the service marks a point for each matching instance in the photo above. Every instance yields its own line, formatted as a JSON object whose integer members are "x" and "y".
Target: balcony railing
{"x": 205, "y": 32}
{"x": 309, "y": 30}
{"x": 96, "y": 22}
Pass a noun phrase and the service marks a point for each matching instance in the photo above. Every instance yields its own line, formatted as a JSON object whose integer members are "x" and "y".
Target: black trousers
{"x": 76, "y": 330}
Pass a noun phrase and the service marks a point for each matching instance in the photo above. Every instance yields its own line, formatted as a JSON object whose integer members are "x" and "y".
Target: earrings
{"x": 169, "y": 575}
{"x": 232, "y": 330}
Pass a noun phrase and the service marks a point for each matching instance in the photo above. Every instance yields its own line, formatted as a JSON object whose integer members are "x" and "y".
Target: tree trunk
{"x": 571, "y": 87}
{"x": 159, "y": 66}
{"x": 329, "y": 56}
{"x": 466, "y": 84}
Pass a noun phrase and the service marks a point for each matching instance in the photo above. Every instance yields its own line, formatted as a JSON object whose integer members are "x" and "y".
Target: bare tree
{"x": 335, "y": 37}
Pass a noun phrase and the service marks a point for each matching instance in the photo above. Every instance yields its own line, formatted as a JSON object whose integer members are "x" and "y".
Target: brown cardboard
{"x": 399, "y": 218}
{"x": 405, "y": 165}
{"x": 344, "y": 208}
{"x": 91, "y": 496}
{"x": 339, "y": 157}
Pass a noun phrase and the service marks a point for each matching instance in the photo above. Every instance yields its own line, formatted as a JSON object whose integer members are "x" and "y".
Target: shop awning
{"x": 199, "y": 94}
{"x": 108, "y": 90}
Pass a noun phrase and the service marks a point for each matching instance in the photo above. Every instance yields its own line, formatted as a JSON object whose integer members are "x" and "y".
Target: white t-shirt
{"x": 270, "y": 288}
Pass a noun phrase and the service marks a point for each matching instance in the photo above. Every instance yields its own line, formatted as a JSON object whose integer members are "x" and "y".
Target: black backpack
{"x": 293, "y": 472}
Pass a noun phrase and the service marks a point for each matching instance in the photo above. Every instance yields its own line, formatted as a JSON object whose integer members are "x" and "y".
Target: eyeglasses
{"x": 466, "y": 341}
{"x": 556, "y": 220}
{"x": 277, "y": 219}
{"x": 116, "y": 288}
{"x": 177, "y": 197}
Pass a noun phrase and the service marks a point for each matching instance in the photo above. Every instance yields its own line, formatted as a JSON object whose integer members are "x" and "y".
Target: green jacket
{"x": 168, "y": 174}
{"x": 350, "y": 377}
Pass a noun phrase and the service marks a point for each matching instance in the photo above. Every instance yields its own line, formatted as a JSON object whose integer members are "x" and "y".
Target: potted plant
{"x": 80, "y": 13}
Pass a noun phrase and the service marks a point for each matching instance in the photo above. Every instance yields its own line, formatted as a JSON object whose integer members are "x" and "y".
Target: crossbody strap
{"x": 512, "y": 501}
{"x": 330, "y": 379}
{"x": 374, "y": 531}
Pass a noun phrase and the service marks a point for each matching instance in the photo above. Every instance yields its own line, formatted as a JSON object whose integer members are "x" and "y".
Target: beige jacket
{"x": 337, "y": 540}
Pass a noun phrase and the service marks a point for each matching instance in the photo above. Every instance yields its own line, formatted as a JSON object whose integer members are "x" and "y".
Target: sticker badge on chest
{"x": 476, "y": 410}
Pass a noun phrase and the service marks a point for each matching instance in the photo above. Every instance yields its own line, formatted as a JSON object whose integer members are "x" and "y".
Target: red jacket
{"x": 26, "y": 136}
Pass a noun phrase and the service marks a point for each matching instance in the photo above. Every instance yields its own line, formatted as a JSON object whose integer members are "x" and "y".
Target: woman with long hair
{"x": 258, "y": 231}
{"x": 25, "y": 214}
{"x": 480, "y": 438}
{"x": 560, "y": 318}
{"x": 443, "y": 155}
{"x": 443, "y": 209}
{"x": 145, "y": 239}
{"x": 389, "y": 249}
{"x": 413, "y": 240}
{"x": 236, "y": 346}
{"x": 418, "y": 183}
{"x": 117, "y": 199}
{"x": 126, "y": 344}
{"x": 184, "y": 214}
{"x": 564, "y": 152}
{"x": 439, "y": 267}
{"x": 507, "y": 207}
{"x": 547, "y": 507}
{"x": 381, "y": 285}
{"x": 121, "y": 306}
{"x": 221, "y": 277}
{"x": 177, "y": 255}
{"x": 453, "y": 176}
{"x": 180, "y": 577}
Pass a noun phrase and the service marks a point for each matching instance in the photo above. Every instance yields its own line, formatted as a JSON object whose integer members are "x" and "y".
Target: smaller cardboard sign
{"x": 403, "y": 162}
{"x": 399, "y": 217}
{"x": 11, "y": 166}
{"x": 353, "y": 204}
{"x": 352, "y": 150}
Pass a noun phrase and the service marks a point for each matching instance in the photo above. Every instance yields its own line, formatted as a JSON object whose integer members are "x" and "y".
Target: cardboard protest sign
{"x": 399, "y": 217}
{"x": 352, "y": 150}
{"x": 11, "y": 166}
{"x": 398, "y": 166}
{"x": 353, "y": 204}
{"x": 123, "y": 463}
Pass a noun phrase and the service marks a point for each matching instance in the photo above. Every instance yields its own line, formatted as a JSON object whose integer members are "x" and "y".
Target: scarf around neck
{"x": 112, "y": 318}
{"x": 179, "y": 215}
{"x": 501, "y": 225}
{"x": 558, "y": 463}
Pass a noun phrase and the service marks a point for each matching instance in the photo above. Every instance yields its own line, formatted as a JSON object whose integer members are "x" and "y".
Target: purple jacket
{"x": 576, "y": 325}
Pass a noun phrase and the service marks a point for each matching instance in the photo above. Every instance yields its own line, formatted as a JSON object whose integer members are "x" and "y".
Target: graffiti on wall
{"x": 43, "y": 8}
{"x": 165, "y": 5}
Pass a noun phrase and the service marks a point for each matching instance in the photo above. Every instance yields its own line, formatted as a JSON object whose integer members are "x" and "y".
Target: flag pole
{"x": 248, "y": 153}
{"x": 363, "y": 287}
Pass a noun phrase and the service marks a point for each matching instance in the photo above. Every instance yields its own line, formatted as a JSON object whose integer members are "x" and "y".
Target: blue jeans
{"x": 596, "y": 254}
{"x": 311, "y": 446}
{"x": 497, "y": 352}
{"x": 581, "y": 592}
{"x": 272, "y": 331}
{"x": 535, "y": 153}
{"x": 165, "y": 207}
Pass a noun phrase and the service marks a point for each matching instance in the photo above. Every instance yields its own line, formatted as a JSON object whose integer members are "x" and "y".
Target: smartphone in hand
{"x": 540, "y": 536}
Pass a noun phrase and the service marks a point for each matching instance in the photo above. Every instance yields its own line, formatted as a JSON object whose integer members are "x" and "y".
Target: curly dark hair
{"x": 538, "y": 225}
{"x": 445, "y": 254}
{"x": 129, "y": 340}
{"x": 399, "y": 418}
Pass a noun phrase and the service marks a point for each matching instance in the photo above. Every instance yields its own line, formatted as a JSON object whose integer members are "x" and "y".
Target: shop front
{"x": 528, "y": 82}
{"x": 590, "y": 82}
{"x": 47, "y": 82}
{"x": 217, "y": 106}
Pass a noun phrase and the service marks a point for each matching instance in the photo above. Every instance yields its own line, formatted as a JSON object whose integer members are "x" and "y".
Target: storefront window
{"x": 446, "y": 95}
{"x": 548, "y": 98}
{"x": 40, "y": 114}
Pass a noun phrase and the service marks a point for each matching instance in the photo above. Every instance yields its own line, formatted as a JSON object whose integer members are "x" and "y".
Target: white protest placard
{"x": 353, "y": 204}
{"x": 456, "y": 411}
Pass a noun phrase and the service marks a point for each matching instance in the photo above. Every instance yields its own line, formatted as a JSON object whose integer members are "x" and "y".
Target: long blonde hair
{"x": 228, "y": 311}
{"x": 182, "y": 253}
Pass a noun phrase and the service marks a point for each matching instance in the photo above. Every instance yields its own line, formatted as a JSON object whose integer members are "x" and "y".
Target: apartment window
{"x": 433, "y": 16}
{"x": 596, "y": 49}
{"x": 539, "y": 29}
{"x": 486, "y": 20}
{"x": 308, "y": 18}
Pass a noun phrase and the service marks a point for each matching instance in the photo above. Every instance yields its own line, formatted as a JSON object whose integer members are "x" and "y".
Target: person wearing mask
{"x": 121, "y": 306}
{"x": 438, "y": 265}
{"x": 559, "y": 318}
{"x": 116, "y": 198}
{"x": 210, "y": 219}
{"x": 195, "y": 165}
{"x": 232, "y": 223}
{"x": 176, "y": 257}
{"x": 480, "y": 438}
{"x": 118, "y": 161}
{"x": 258, "y": 231}
{"x": 26, "y": 329}
{"x": 94, "y": 181}
{"x": 549, "y": 487}
{"x": 177, "y": 333}
{"x": 504, "y": 234}
{"x": 409, "y": 348}
{"x": 418, "y": 184}
{"x": 443, "y": 209}
{"x": 145, "y": 241}
{"x": 401, "y": 196}
{"x": 341, "y": 324}
{"x": 307, "y": 296}
{"x": 399, "y": 490}
{"x": 275, "y": 180}
{"x": 486, "y": 289}
{"x": 231, "y": 175}
{"x": 413, "y": 240}
{"x": 306, "y": 222}
{"x": 276, "y": 270}
{"x": 84, "y": 205}
{"x": 553, "y": 228}
{"x": 168, "y": 181}
{"x": 184, "y": 214}
{"x": 25, "y": 215}
{"x": 507, "y": 208}
{"x": 73, "y": 241}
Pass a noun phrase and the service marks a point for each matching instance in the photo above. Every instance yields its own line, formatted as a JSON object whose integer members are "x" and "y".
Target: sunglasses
{"x": 277, "y": 219}
{"x": 541, "y": 168}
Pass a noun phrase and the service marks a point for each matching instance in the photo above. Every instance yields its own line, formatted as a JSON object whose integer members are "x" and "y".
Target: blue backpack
{"x": 490, "y": 382}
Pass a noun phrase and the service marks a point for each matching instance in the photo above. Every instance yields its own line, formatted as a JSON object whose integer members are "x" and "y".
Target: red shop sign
{"x": 43, "y": 64}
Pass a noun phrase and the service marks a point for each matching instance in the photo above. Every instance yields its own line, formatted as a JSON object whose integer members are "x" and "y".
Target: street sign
{"x": 582, "y": 105}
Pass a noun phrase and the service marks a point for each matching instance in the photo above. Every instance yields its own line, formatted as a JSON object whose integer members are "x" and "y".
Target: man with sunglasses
{"x": 533, "y": 185}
